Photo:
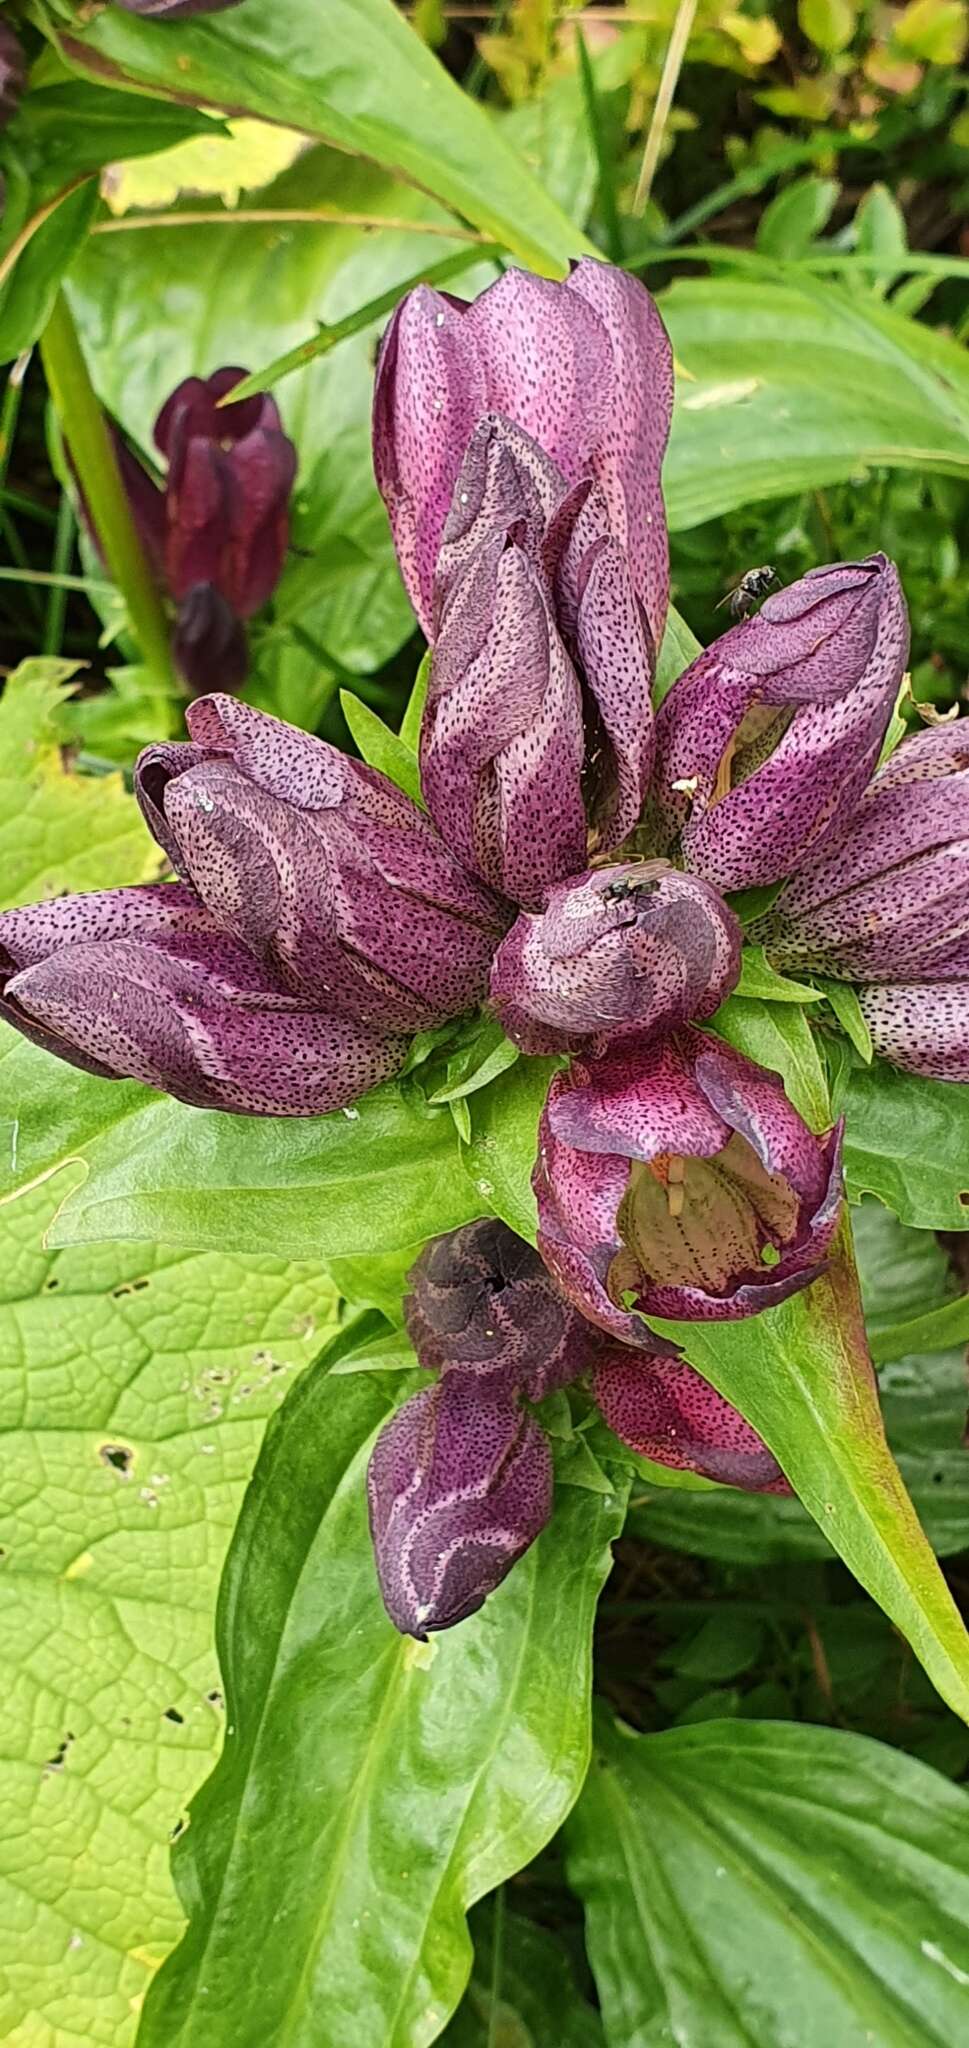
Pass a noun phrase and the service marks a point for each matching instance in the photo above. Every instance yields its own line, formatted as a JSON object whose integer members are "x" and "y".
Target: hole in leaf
{"x": 120, "y": 1457}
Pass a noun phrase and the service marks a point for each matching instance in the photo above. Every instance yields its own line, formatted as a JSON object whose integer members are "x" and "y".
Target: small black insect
{"x": 626, "y": 886}
{"x": 749, "y": 591}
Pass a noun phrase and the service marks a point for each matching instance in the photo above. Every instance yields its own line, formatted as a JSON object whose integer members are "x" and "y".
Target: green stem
{"x": 83, "y": 425}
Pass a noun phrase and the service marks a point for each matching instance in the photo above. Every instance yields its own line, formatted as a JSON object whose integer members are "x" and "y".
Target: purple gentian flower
{"x": 666, "y": 1411}
{"x": 459, "y": 1485}
{"x": 768, "y": 739}
{"x": 537, "y": 738}
{"x": 887, "y": 906}
{"x": 333, "y": 880}
{"x": 144, "y": 983}
{"x": 622, "y": 948}
{"x": 583, "y": 367}
{"x": 675, "y": 1179}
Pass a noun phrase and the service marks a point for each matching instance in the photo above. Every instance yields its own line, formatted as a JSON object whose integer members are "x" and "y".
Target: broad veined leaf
{"x": 134, "y": 1388}
{"x": 187, "y": 299}
{"x": 800, "y": 1374}
{"x": 59, "y": 830}
{"x": 382, "y": 1786}
{"x": 369, "y": 85}
{"x": 500, "y": 1158}
{"x": 762, "y": 1882}
{"x": 907, "y": 1141}
{"x": 789, "y": 387}
{"x": 522, "y": 1992}
{"x": 50, "y": 155}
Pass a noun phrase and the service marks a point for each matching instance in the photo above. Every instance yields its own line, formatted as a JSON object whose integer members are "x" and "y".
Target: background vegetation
{"x": 726, "y": 1883}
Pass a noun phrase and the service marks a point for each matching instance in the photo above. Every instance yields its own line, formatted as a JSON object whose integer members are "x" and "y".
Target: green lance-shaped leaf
{"x": 759, "y": 1882}
{"x": 370, "y": 1789}
{"x": 368, "y": 84}
{"x": 801, "y": 1374}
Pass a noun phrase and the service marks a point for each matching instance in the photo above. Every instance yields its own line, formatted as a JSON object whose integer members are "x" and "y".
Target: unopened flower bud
{"x": 459, "y": 1485}
{"x": 481, "y": 1301}
{"x": 142, "y": 983}
{"x": 624, "y": 948}
{"x": 768, "y": 739}
{"x": 330, "y": 877}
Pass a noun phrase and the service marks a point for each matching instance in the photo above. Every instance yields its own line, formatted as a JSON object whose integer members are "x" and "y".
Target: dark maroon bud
{"x": 482, "y": 1300}
{"x": 230, "y": 473}
{"x": 209, "y": 642}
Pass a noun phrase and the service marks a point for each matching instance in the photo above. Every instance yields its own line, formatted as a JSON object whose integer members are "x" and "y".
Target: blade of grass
{"x": 9, "y": 411}
{"x": 327, "y": 337}
{"x": 17, "y": 501}
{"x": 82, "y": 422}
{"x": 603, "y": 156}
{"x": 22, "y": 559}
{"x": 57, "y": 594}
{"x": 51, "y": 580}
{"x": 669, "y": 80}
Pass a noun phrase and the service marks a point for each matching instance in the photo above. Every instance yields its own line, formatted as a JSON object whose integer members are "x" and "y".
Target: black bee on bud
{"x": 749, "y": 591}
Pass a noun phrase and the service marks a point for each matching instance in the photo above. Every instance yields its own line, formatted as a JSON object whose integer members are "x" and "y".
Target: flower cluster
{"x": 569, "y": 868}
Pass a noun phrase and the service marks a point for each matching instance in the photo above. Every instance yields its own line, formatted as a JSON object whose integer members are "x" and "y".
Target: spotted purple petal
{"x": 584, "y": 367}
{"x": 663, "y": 1409}
{"x": 537, "y": 739}
{"x": 459, "y": 1486}
{"x": 143, "y": 984}
{"x": 890, "y": 901}
{"x": 332, "y": 878}
{"x": 624, "y": 948}
{"x": 921, "y": 1026}
{"x": 767, "y": 741}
